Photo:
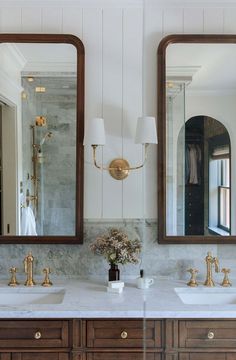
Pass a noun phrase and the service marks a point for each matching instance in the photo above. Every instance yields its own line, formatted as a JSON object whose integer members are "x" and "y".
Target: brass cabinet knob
{"x": 210, "y": 335}
{"x": 37, "y": 335}
{"x": 124, "y": 335}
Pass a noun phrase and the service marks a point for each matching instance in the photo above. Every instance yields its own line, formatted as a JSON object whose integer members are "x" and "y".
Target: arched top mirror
{"x": 41, "y": 138}
{"x": 197, "y": 139}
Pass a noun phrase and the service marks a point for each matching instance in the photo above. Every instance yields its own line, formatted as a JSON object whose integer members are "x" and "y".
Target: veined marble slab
{"x": 89, "y": 299}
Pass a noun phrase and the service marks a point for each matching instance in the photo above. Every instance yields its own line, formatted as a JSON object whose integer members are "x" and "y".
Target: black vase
{"x": 113, "y": 273}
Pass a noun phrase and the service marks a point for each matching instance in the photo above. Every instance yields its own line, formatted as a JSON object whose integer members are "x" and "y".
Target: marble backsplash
{"x": 169, "y": 261}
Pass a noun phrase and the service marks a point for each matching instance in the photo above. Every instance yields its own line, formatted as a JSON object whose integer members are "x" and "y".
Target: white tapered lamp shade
{"x": 146, "y": 131}
{"x": 95, "y": 132}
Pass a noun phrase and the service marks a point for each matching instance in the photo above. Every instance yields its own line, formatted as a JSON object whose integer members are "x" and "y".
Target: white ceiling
{"x": 214, "y": 64}
{"x": 48, "y": 57}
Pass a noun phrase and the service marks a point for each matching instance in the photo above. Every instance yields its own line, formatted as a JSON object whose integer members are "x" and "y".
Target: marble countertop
{"x": 89, "y": 299}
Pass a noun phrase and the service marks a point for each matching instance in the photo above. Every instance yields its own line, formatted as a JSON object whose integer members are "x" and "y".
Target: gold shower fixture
{"x": 40, "y": 120}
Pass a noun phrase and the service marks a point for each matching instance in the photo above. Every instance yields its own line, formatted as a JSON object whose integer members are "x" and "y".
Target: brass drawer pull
{"x": 210, "y": 335}
{"x": 124, "y": 335}
{"x": 37, "y": 335}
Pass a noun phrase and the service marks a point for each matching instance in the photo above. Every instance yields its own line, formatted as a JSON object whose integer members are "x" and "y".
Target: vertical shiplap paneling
{"x": 31, "y": 19}
{"x": 153, "y": 35}
{"x": 72, "y": 21}
{"x": 52, "y": 20}
{"x": 213, "y": 20}
{"x": 112, "y": 107}
{"x": 92, "y": 38}
{"x": 173, "y": 20}
{"x": 230, "y": 20}
{"x": 193, "y": 21}
{"x": 10, "y": 19}
{"x": 132, "y": 105}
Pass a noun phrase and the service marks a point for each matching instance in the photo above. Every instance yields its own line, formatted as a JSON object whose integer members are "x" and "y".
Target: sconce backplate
{"x": 119, "y": 169}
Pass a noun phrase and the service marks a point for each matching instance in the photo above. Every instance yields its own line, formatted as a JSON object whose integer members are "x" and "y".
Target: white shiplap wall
{"x": 118, "y": 88}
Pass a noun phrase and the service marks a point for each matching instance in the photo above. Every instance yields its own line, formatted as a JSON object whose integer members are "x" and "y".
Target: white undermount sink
{"x": 207, "y": 296}
{"x": 30, "y": 296}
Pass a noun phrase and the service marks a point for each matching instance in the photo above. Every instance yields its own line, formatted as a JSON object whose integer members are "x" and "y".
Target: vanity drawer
{"x": 206, "y": 333}
{"x": 40, "y": 356}
{"x": 123, "y": 333}
{"x": 33, "y": 333}
{"x": 122, "y": 356}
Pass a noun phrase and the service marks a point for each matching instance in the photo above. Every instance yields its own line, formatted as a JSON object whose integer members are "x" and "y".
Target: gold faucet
{"x": 28, "y": 265}
{"x": 210, "y": 260}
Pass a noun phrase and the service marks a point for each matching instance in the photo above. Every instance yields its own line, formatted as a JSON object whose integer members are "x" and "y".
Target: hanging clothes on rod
{"x": 193, "y": 162}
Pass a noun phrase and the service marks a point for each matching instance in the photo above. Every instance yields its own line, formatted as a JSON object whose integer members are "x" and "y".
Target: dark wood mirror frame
{"x": 75, "y": 41}
{"x": 161, "y": 86}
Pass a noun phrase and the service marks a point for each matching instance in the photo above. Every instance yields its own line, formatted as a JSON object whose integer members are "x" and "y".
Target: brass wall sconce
{"x": 119, "y": 168}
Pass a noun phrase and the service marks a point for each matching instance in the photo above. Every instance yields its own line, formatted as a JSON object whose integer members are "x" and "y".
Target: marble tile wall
{"x": 169, "y": 261}
{"x": 55, "y": 214}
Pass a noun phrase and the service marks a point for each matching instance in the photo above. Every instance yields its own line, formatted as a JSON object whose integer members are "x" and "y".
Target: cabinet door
{"x": 38, "y": 356}
{"x": 5, "y": 356}
{"x": 207, "y": 356}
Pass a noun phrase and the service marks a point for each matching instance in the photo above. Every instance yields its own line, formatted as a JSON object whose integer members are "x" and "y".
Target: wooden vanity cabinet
{"x": 207, "y": 356}
{"x": 123, "y": 339}
{"x": 200, "y": 339}
{"x": 118, "y": 339}
{"x": 35, "y": 339}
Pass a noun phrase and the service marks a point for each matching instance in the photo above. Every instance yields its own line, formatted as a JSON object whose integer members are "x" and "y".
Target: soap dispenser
{"x": 144, "y": 282}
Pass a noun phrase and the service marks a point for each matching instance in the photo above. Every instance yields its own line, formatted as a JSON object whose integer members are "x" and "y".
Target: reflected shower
{"x": 48, "y": 135}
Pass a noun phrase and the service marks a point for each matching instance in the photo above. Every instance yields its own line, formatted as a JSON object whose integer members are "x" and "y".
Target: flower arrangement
{"x": 117, "y": 248}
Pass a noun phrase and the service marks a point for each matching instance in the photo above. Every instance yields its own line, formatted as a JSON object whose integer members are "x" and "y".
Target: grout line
{"x": 122, "y": 107}
{"x": 223, "y": 25}
{"x": 143, "y": 102}
{"x": 203, "y": 25}
{"x": 21, "y": 18}
{"x": 163, "y": 20}
{"x": 102, "y": 109}
{"x": 82, "y": 24}
{"x": 62, "y": 25}
{"x": 41, "y": 19}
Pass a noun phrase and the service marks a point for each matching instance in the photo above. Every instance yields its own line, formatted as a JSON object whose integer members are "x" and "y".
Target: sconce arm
{"x": 119, "y": 168}
{"x": 128, "y": 168}
{"x": 95, "y": 161}
{"x": 144, "y": 161}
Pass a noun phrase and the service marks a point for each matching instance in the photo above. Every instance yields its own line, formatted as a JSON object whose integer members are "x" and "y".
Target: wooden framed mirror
{"x": 197, "y": 139}
{"x": 41, "y": 132}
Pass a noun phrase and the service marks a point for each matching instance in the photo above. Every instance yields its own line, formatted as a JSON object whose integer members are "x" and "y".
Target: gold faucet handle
{"x": 193, "y": 282}
{"x": 47, "y": 282}
{"x": 226, "y": 282}
{"x": 13, "y": 281}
